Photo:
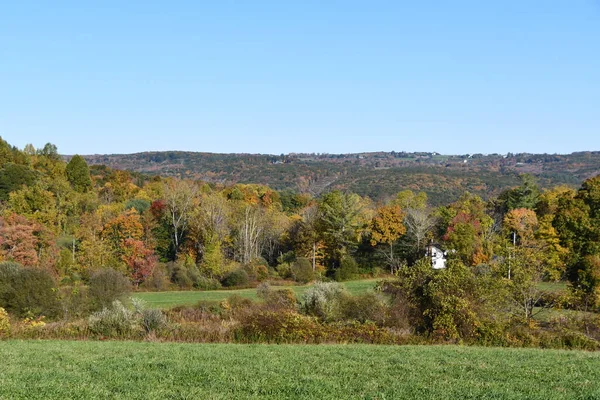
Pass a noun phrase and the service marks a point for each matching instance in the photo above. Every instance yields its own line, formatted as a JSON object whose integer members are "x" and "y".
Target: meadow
{"x": 100, "y": 370}
{"x": 189, "y": 297}
{"x": 182, "y": 298}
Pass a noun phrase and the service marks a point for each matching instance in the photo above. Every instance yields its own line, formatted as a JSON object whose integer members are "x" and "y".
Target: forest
{"x": 75, "y": 240}
{"x": 378, "y": 175}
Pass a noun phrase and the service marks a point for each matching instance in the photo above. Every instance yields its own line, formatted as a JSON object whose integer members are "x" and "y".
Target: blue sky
{"x": 307, "y": 76}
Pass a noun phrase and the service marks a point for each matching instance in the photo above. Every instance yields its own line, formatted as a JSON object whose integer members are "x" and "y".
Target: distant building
{"x": 437, "y": 256}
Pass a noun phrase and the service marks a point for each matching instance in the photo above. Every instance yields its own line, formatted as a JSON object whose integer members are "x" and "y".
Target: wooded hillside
{"x": 377, "y": 175}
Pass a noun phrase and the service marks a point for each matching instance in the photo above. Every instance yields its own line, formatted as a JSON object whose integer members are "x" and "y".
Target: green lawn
{"x": 172, "y": 299}
{"x": 128, "y": 370}
{"x": 553, "y": 286}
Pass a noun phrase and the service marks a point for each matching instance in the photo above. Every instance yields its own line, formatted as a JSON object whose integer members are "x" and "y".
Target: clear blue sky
{"x": 305, "y": 76}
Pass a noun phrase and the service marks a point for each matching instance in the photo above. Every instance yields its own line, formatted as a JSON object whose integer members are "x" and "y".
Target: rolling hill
{"x": 377, "y": 175}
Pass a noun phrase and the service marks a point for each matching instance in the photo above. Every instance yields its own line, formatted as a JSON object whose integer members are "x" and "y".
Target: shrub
{"x": 365, "y": 307}
{"x": 282, "y": 299}
{"x": 448, "y": 304}
{"x": 322, "y": 300}
{"x": 27, "y": 291}
{"x": 151, "y": 319}
{"x": 302, "y": 270}
{"x": 206, "y": 283}
{"x": 158, "y": 280}
{"x": 258, "y": 269}
{"x": 114, "y": 321}
{"x": 106, "y": 286}
{"x": 236, "y": 303}
{"x": 180, "y": 276}
{"x": 277, "y": 327}
{"x": 284, "y": 270}
{"x": 348, "y": 269}
{"x": 263, "y": 290}
{"x": 239, "y": 277}
{"x": 4, "y": 323}
{"x": 75, "y": 301}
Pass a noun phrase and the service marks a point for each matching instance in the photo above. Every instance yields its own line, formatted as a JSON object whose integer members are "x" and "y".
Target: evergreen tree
{"x": 78, "y": 174}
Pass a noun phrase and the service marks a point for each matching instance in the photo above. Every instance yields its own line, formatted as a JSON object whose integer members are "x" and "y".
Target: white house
{"x": 437, "y": 255}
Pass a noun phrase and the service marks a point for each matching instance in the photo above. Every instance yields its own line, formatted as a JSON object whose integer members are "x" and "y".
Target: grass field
{"x": 103, "y": 370}
{"x": 178, "y": 298}
{"x": 553, "y": 286}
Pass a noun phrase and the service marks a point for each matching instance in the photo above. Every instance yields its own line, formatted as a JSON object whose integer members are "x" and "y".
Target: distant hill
{"x": 378, "y": 175}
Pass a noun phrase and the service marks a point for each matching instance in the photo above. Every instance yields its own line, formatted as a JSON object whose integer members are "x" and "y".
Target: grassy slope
{"x": 92, "y": 370}
{"x": 171, "y": 299}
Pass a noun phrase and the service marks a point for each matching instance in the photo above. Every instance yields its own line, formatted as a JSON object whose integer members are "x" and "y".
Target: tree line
{"x": 71, "y": 221}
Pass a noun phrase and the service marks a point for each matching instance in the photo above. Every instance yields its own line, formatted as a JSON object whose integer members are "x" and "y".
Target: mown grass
{"x": 102, "y": 370}
{"x": 179, "y": 298}
{"x": 554, "y": 287}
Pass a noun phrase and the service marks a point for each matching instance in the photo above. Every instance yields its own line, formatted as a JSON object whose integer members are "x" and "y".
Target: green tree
{"x": 14, "y": 177}
{"x": 577, "y": 222}
{"x": 78, "y": 174}
{"x": 339, "y": 222}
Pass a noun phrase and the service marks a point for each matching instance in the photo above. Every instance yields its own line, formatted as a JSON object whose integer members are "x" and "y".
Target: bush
{"x": 348, "y": 269}
{"x": 106, "y": 286}
{"x": 75, "y": 301}
{"x": 114, "y": 321}
{"x": 263, "y": 290}
{"x": 277, "y": 327}
{"x": 365, "y": 307}
{"x": 258, "y": 269}
{"x": 302, "y": 270}
{"x": 284, "y": 270}
{"x": 322, "y": 300}
{"x": 27, "y": 291}
{"x": 180, "y": 276}
{"x": 4, "y": 323}
{"x": 239, "y": 277}
{"x": 282, "y": 299}
{"x": 276, "y": 299}
{"x": 158, "y": 280}
{"x": 151, "y": 319}
{"x": 206, "y": 283}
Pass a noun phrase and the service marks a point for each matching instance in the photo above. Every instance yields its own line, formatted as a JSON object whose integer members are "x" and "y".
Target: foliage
{"x": 467, "y": 228}
{"x": 238, "y": 277}
{"x": 348, "y": 269}
{"x": 577, "y": 222}
{"x": 366, "y": 307}
{"x": 27, "y": 291}
{"x": 301, "y": 270}
{"x": 443, "y": 303}
{"x": 339, "y": 221}
{"x": 106, "y": 286}
{"x": 4, "y": 323}
{"x": 24, "y": 241}
{"x": 78, "y": 174}
{"x": 115, "y": 321}
{"x": 322, "y": 300}
{"x": 151, "y": 319}
{"x": 13, "y": 177}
